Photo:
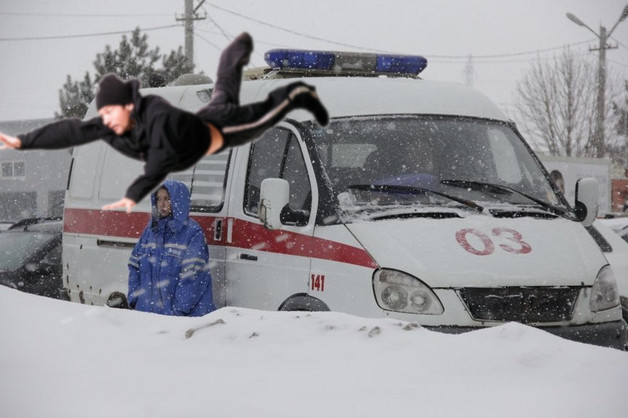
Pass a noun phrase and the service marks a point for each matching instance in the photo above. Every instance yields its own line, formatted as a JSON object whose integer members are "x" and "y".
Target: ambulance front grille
{"x": 520, "y": 304}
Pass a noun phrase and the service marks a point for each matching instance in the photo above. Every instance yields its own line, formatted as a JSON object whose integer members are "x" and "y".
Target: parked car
{"x": 618, "y": 224}
{"x": 30, "y": 257}
{"x": 616, "y": 252}
{"x": 4, "y": 225}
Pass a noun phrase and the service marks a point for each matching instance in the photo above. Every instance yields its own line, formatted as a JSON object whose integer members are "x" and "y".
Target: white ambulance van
{"x": 420, "y": 201}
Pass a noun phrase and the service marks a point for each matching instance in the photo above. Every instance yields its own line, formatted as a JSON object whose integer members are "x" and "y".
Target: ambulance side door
{"x": 209, "y": 182}
{"x": 266, "y": 267}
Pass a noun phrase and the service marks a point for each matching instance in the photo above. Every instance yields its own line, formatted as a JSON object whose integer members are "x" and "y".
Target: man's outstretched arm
{"x": 61, "y": 134}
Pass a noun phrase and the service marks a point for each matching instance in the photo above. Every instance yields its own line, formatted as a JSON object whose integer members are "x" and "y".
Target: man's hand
{"x": 10, "y": 142}
{"x": 122, "y": 203}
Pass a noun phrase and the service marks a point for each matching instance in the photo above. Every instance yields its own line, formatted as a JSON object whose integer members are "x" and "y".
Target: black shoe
{"x": 246, "y": 42}
{"x": 235, "y": 56}
{"x": 304, "y": 96}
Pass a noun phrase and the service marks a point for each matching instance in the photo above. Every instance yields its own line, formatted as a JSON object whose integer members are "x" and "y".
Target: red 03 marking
{"x": 508, "y": 240}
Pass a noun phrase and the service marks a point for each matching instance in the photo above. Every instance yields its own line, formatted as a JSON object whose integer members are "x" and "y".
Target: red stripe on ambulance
{"x": 247, "y": 235}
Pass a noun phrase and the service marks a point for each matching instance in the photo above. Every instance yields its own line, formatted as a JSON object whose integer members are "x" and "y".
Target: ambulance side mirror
{"x": 586, "y": 200}
{"x": 274, "y": 195}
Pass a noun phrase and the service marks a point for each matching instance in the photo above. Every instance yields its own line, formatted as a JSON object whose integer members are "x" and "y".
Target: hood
{"x": 483, "y": 251}
{"x": 180, "y": 200}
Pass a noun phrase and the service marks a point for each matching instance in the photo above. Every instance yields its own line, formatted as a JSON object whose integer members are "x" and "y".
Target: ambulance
{"x": 420, "y": 201}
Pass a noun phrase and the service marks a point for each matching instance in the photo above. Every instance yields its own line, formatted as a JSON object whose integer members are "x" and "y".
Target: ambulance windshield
{"x": 459, "y": 159}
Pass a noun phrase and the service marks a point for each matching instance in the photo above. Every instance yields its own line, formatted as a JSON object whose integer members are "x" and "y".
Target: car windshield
{"x": 405, "y": 157}
{"x": 17, "y": 247}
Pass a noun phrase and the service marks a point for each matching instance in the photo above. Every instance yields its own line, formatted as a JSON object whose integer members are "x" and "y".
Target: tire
{"x": 624, "y": 307}
{"x": 303, "y": 302}
{"x": 118, "y": 300}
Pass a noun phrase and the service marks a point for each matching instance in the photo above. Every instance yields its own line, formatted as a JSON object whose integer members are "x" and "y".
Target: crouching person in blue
{"x": 169, "y": 266}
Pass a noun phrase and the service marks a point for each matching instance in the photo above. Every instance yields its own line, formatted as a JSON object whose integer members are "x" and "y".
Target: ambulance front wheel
{"x": 303, "y": 302}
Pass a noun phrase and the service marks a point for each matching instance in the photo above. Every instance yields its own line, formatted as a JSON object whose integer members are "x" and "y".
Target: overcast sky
{"x": 42, "y": 41}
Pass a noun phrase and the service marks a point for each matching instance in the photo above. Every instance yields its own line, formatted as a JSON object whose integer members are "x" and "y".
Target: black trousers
{"x": 241, "y": 124}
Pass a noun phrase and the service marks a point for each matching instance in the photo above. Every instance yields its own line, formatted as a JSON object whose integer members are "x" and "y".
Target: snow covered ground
{"x": 60, "y": 359}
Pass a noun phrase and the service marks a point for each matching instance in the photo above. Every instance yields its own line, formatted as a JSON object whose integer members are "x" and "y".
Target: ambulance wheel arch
{"x": 303, "y": 302}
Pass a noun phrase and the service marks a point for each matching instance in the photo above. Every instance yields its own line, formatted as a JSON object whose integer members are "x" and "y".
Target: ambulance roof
{"x": 352, "y": 96}
{"x": 358, "y": 96}
{"x": 351, "y": 84}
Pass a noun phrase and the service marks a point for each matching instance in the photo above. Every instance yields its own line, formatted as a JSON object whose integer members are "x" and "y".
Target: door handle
{"x": 217, "y": 229}
{"x": 249, "y": 257}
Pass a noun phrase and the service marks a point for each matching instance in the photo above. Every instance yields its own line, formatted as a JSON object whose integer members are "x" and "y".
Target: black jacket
{"x": 165, "y": 137}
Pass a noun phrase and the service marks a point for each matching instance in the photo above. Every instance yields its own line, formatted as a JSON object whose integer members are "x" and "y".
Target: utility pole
{"x": 188, "y": 19}
{"x": 601, "y": 91}
{"x": 469, "y": 72}
{"x": 601, "y": 77}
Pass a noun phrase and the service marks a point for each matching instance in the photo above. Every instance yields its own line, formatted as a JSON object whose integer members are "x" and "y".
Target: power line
{"x": 81, "y": 14}
{"x": 511, "y": 61}
{"x": 218, "y": 48}
{"x": 512, "y": 54}
{"x": 617, "y": 40}
{"x": 85, "y": 35}
{"x": 617, "y": 63}
{"x": 460, "y": 57}
{"x": 227, "y": 36}
{"x": 292, "y": 31}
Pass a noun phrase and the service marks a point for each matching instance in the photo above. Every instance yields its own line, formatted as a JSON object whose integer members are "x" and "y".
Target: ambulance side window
{"x": 206, "y": 181}
{"x": 277, "y": 154}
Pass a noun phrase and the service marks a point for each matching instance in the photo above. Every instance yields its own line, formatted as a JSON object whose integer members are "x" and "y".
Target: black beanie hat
{"x": 113, "y": 91}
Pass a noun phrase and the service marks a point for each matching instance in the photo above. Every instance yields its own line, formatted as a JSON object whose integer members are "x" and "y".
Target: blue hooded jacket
{"x": 169, "y": 266}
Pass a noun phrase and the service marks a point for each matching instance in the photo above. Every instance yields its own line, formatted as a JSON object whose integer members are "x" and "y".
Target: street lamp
{"x": 601, "y": 76}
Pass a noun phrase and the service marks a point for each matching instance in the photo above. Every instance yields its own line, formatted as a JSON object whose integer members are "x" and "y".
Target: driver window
{"x": 277, "y": 154}
{"x": 295, "y": 172}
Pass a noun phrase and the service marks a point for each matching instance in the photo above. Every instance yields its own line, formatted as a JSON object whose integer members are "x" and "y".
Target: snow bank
{"x": 60, "y": 359}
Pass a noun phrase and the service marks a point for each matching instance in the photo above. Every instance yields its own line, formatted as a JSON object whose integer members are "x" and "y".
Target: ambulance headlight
{"x": 400, "y": 292}
{"x": 604, "y": 294}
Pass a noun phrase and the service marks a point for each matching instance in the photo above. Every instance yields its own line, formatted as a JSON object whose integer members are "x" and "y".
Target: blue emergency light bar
{"x": 339, "y": 62}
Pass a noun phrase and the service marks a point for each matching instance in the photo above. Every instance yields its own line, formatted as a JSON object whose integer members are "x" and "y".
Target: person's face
{"x": 164, "y": 207}
{"x": 117, "y": 117}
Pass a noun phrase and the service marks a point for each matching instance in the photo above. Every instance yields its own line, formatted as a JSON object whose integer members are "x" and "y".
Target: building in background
{"x": 32, "y": 183}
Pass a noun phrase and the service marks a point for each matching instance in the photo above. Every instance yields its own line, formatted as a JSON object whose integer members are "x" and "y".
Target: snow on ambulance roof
{"x": 350, "y": 84}
{"x": 349, "y": 96}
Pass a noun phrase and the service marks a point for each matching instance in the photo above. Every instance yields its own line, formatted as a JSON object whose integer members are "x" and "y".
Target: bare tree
{"x": 556, "y": 100}
{"x": 620, "y": 110}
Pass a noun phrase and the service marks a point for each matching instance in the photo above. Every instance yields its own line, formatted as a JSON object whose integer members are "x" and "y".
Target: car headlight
{"x": 604, "y": 294}
{"x": 400, "y": 292}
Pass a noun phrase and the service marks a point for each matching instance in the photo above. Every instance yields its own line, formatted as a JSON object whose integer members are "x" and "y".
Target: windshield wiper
{"x": 412, "y": 189}
{"x": 501, "y": 188}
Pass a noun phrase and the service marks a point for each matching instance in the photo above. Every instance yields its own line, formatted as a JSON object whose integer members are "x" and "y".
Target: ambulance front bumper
{"x": 606, "y": 334}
